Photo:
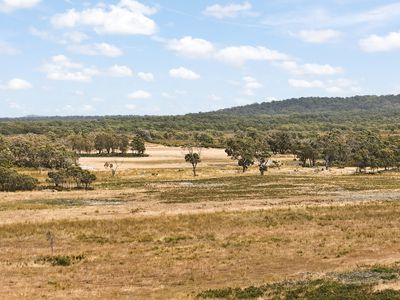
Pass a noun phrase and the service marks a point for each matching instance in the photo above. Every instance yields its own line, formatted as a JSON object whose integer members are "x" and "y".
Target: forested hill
{"x": 308, "y": 105}
{"x": 307, "y": 115}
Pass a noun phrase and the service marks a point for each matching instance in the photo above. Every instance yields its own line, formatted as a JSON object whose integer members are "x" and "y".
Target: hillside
{"x": 304, "y": 114}
{"x": 360, "y": 104}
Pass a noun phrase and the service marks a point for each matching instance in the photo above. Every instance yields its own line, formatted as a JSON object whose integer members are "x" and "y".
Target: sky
{"x": 126, "y": 57}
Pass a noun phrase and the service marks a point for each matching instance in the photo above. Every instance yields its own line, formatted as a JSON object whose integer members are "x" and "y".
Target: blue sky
{"x": 70, "y": 57}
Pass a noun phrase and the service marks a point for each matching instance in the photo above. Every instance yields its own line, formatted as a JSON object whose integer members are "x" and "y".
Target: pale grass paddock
{"x": 154, "y": 232}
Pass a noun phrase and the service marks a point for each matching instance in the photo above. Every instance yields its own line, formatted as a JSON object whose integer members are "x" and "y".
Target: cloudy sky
{"x": 70, "y": 57}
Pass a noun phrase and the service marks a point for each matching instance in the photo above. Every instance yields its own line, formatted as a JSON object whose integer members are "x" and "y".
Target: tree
{"x": 193, "y": 157}
{"x": 123, "y": 143}
{"x": 333, "y": 148}
{"x": 242, "y": 149}
{"x": 58, "y": 178}
{"x": 138, "y": 145}
{"x": 6, "y": 156}
{"x": 280, "y": 142}
{"x": 308, "y": 152}
{"x": 262, "y": 155}
{"x": 11, "y": 181}
{"x": 87, "y": 178}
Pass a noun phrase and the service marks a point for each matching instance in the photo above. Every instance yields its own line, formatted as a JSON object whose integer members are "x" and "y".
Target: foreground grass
{"x": 181, "y": 256}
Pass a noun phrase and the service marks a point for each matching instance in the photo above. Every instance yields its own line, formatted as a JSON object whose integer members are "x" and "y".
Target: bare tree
{"x": 113, "y": 166}
{"x": 51, "y": 239}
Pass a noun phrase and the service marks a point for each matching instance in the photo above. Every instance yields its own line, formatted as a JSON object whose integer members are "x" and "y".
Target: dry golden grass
{"x": 169, "y": 257}
{"x": 159, "y": 233}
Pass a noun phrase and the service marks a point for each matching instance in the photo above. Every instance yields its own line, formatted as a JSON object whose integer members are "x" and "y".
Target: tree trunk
{"x": 194, "y": 170}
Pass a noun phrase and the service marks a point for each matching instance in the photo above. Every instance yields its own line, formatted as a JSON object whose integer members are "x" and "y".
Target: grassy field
{"x": 159, "y": 233}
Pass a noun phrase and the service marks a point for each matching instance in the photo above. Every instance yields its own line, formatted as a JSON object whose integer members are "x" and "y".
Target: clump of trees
{"x": 107, "y": 143}
{"x": 249, "y": 148}
{"x": 12, "y": 181}
{"x": 363, "y": 150}
{"x": 70, "y": 177}
{"x": 38, "y": 151}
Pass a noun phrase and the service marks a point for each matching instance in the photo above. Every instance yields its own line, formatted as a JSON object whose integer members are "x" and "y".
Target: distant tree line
{"x": 303, "y": 115}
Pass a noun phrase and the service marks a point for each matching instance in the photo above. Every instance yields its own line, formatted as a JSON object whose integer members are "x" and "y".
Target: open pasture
{"x": 158, "y": 233}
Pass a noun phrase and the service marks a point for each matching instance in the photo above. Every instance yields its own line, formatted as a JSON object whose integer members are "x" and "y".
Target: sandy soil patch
{"x": 159, "y": 157}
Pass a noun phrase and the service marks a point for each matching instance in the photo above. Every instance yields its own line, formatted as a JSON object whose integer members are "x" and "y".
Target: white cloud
{"x": 8, "y": 6}
{"x": 322, "y": 18}
{"x": 241, "y": 54}
{"x": 191, "y": 47}
{"x": 333, "y": 86}
{"x": 15, "y": 105}
{"x": 16, "y": 84}
{"x": 250, "y": 85}
{"x": 310, "y": 69}
{"x": 120, "y": 71}
{"x": 96, "y": 49}
{"x": 74, "y": 37}
{"x": 174, "y": 94}
{"x": 140, "y": 94}
{"x": 128, "y": 17}
{"x": 376, "y": 43}
{"x": 146, "y": 76}
{"x": 87, "y": 108}
{"x": 214, "y": 97}
{"x": 130, "y": 106}
{"x": 98, "y": 99}
{"x": 318, "y": 36}
{"x": 6, "y": 49}
{"x": 62, "y": 68}
{"x": 301, "y": 83}
{"x": 227, "y": 11}
{"x": 184, "y": 73}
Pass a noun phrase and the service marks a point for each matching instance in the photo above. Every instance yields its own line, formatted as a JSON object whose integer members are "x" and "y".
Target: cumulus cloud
{"x": 333, "y": 86}
{"x": 318, "y": 36}
{"x": 174, "y": 94}
{"x": 146, "y": 76}
{"x": 74, "y": 37}
{"x": 103, "y": 49}
{"x": 251, "y": 85}
{"x": 16, "y": 84}
{"x": 228, "y": 11}
{"x": 8, "y": 6}
{"x": 139, "y": 94}
{"x": 120, "y": 71}
{"x": 128, "y": 17}
{"x": 376, "y": 43}
{"x": 301, "y": 83}
{"x": 241, "y": 54}
{"x": 214, "y": 97}
{"x": 6, "y": 49}
{"x": 191, "y": 47}
{"x": 310, "y": 69}
{"x": 62, "y": 68}
{"x": 184, "y": 73}
{"x": 130, "y": 106}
